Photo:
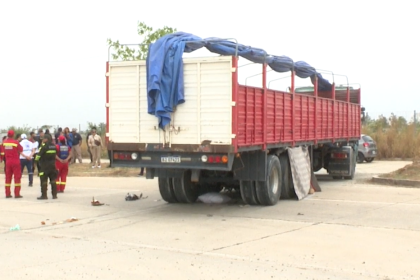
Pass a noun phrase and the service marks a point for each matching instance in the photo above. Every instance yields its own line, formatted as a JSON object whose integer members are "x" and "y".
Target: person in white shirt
{"x": 35, "y": 143}
{"x": 26, "y": 159}
{"x": 95, "y": 144}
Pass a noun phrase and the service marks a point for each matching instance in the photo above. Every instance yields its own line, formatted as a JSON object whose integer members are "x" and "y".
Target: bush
{"x": 395, "y": 137}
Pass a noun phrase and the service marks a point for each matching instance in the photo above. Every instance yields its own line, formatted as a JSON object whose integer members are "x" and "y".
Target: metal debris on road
{"x": 72, "y": 219}
{"x": 131, "y": 197}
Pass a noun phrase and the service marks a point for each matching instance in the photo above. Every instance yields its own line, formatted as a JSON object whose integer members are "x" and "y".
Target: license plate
{"x": 170, "y": 159}
{"x": 374, "y": 152}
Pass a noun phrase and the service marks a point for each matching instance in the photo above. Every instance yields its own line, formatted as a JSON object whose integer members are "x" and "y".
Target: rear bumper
{"x": 171, "y": 160}
{"x": 370, "y": 153}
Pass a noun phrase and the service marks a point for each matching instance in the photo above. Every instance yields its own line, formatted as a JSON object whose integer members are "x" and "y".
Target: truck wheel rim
{"x": 274, "y": 180}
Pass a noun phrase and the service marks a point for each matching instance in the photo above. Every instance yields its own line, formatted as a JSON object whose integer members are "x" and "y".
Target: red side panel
{"x": 339, "y": 121}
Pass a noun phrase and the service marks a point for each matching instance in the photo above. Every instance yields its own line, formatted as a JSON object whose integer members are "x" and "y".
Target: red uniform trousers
{"x": 63, "y": 170}
{"x": 13, "y": 169}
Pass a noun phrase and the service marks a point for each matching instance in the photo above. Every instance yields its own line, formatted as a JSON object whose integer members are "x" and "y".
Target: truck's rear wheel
{"x": 287, "y": 187}
{"x": 268, "y": 191}
{"x": 166, "y": 190}
{"x": 248, "y": 193}
{"x": 185, "y": 191}
{"x": 360, "y": 157}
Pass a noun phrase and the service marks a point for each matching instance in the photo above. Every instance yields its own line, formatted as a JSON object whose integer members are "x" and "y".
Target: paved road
{"x": 350, "y": 230}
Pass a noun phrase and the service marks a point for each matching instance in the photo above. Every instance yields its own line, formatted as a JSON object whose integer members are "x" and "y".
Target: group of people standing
{"x": 50, "y": 155}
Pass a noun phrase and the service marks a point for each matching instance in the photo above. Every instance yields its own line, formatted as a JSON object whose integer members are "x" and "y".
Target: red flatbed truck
{"x": 227, "y": 134}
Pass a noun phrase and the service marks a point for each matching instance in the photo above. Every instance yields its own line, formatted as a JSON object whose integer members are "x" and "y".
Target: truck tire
{"x": 166, "y": 189}
{"x": 287, "y": 187}
{"x": 185, "y": 191}
{"x": 268, "y": 191}
{"x": 248, "y": 192}
{"x": 360, "y": 157}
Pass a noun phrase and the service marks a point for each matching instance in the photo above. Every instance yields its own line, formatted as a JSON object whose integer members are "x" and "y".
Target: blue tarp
{"x": 165, "y": 81}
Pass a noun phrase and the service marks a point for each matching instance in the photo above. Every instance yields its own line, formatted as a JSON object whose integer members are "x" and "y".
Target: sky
{"x": 52, "y": 69}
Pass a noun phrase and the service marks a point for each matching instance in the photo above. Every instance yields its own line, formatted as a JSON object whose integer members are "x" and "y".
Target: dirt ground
{"x": 410, "y": 172}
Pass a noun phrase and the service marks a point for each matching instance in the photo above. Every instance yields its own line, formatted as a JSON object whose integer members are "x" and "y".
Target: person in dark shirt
{"x": 59, "y": 131}
{"x": 76, "y": 149}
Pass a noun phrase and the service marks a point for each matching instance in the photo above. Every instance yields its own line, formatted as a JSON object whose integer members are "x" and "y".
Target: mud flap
{"x": 341, "y": 160}
{"x": 301, "y": 170}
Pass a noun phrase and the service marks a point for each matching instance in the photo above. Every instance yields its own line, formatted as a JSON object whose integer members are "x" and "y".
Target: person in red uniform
{"x": 12, "y": 149}
{"x": 62, "y": 163}
{"x": 2, "y": 159}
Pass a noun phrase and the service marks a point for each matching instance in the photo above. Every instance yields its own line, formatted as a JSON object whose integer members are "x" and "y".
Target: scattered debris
{"x": 15, "y": 228}
{"x": 96, "y": 202}
{"x": 131, "y": 197}
{"x": 72, "y": 219}
{"x": 43, "y": 223}
{"x": 214, "y": 198}
{"x": 300, "y": 214}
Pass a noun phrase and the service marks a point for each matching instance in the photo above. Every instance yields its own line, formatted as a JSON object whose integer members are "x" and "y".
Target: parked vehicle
{"x": 227, "y": 134}
{"x": 367, "y": 149}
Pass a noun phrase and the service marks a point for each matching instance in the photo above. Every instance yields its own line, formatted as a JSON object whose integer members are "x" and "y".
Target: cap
{"x": 74, "y": 129}
{"x": 10, "y": 133}
{"x": 61, "y": 138}
{"x": 23, "y": 136}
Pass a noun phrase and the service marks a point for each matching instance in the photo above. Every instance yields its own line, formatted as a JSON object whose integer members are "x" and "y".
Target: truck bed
{"x": 223, "y": 114}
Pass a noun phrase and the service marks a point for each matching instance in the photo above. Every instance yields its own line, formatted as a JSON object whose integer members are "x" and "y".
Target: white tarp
{"x": 301, "y": 170}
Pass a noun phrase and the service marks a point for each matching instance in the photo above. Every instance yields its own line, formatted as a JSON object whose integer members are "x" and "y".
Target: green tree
{"x": 100, "y": 128}
{"x": 20, "y": 129}
{"x": 46, "y": 126}
{"x": 148, "y": 36}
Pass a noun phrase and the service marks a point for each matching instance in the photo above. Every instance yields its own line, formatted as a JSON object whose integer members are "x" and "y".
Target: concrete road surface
{"x": 350, "y": 230}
